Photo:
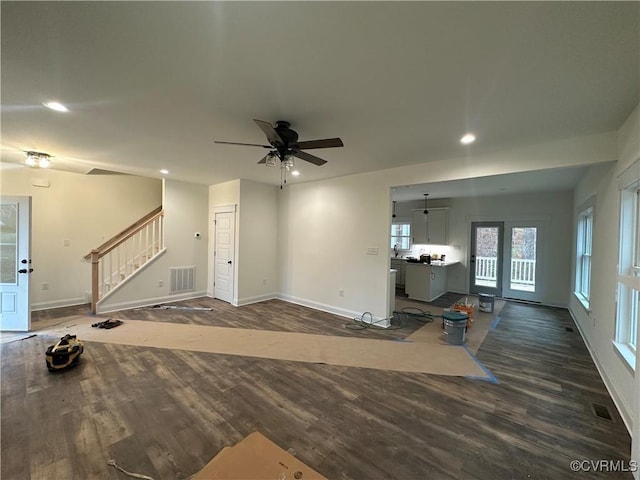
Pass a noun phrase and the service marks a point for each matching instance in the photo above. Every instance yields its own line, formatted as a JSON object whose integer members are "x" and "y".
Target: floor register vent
{"x": 182, "y": 279}
{"x": 601, "y": 411}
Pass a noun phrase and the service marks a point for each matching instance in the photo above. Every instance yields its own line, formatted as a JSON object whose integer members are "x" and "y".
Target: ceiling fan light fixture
{"x": 288, "y": 162}
{"x": 37, "y": 160}
{"x": 271, "y": 160}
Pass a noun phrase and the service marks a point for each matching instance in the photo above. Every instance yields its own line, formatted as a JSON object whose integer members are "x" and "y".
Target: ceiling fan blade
{"x": 310, "y": 158}
{"x": 270, "y": 132}
{"x": 244, "y": 144}
{"x": 324, "y": 143}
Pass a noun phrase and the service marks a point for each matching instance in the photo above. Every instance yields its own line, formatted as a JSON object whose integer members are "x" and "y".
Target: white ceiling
{"x": 151, "y": 85}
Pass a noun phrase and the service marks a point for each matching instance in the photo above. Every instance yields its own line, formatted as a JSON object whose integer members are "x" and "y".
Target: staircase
{"x": 120, "y": 257}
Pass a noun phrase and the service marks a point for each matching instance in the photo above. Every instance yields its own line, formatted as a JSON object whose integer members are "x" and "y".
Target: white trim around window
{"x": 628, "y": 275}
{"x": 584, "y": 247}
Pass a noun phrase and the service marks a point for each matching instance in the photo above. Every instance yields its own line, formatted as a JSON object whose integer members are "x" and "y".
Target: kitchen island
{"x": 426, "y": 282}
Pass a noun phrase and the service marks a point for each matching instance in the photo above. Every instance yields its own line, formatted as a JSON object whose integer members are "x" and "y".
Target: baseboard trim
{"x": 384, "y": 323}
{"x": 257, "y": 299}
{"x": 613, "y": 393}
{"x": 149, "y": 301}
{"x": 70, "y": 302}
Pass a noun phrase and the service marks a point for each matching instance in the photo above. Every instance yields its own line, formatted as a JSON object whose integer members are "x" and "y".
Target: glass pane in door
{"x": 523, "y": 259}
{"x": 8, "y": 243}
{"x": 486, "y": 251}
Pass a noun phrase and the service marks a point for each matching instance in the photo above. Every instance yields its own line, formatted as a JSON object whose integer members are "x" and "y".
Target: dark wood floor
{"x": 166, "y": 413}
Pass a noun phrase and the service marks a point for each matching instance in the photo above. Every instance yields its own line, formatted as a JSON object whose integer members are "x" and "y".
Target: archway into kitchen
{"x": 536, "y": 209}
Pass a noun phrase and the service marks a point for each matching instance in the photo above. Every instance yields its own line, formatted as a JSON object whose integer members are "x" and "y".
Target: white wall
{"x": 257, "y": 255}
{"x": 325, "y": 230}
{"x": 86, "y": 210}
{"x": 185, "y": 207}
{"x": 598, "y": 325}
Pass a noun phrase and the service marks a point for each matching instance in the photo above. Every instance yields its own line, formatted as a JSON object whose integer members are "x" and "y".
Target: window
{"x": 583, "y": 253}
{"x": 628, "y": 286}
{"x": 401, "y": 235}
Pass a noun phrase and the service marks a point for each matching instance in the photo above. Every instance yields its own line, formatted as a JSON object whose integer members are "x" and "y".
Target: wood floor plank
{"x": 166, "y": 413}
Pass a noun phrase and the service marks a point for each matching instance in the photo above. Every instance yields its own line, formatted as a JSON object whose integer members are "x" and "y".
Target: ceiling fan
{"x": 284, "y": 144}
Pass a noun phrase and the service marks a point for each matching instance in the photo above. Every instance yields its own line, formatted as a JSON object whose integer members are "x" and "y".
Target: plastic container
{"x": 455, "y": 326}
{"x": 486, "y": 302}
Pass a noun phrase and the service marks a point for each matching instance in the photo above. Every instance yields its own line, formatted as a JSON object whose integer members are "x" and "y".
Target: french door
{"x": 522, "y": 261}
{"x": 505, "y": 259}
{"x": 485, "y": 263}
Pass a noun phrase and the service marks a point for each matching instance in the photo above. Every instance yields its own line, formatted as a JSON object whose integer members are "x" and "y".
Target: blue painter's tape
{"x": 495, "y": 323}
{"x": 490, "y": 376}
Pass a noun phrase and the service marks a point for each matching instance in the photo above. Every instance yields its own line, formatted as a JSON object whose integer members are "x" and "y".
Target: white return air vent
{"x": 182, "y": 279}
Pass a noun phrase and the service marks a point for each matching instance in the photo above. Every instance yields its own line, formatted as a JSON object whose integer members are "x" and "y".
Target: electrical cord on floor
{"x": 417, "y": 314}
{"x": 132, "y": 475}
{"x": 360, "y": 324}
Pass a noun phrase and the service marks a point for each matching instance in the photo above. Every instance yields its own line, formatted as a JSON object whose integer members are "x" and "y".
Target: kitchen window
{"x": 628, "y": 279}
{"x": 401, "y": 236}
{"x": 582, "y": 288}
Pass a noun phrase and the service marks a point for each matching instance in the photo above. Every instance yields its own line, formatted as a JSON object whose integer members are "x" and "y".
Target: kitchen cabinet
{"x": 432, "y": 231}
{"x": 399, "y": 265}
{"x": 425, "y": 282}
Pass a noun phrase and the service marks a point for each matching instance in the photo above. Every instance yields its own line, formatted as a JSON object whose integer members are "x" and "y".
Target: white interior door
{"x": 224, "y": 252}
{"x": 521, "y": 270}
{"x": 15, "y": 263}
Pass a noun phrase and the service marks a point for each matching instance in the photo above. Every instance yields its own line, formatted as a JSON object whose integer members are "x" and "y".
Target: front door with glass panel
{"x": 485, "y": 262}
{"x": 522, "y": 269}
{"x": 15, "y": 263}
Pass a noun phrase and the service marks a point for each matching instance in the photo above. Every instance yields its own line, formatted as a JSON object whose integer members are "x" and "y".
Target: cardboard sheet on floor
{"x": 256, "y": 458}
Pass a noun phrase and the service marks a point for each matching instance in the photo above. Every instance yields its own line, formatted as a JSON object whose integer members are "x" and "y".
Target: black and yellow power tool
{"x": 64, "y": 354}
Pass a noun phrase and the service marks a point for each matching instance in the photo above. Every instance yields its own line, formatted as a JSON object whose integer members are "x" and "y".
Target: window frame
{"x": 585, "y": 222}
{"x": 628, "y": 273}
{"x": 394, "y": 237}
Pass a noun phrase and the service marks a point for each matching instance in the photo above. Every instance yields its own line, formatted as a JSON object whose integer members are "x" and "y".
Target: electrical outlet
{"x": 341, "y": 293}
{"x": 45, "y": 286}
{"x": 67, "y": 243}
{"x": 264, "y": 281}
{"x": 160, "y": 283}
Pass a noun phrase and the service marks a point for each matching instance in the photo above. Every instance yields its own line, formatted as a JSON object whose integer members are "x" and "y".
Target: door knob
{"x": 24, "y": 270}
{"x": 229, "y": 262}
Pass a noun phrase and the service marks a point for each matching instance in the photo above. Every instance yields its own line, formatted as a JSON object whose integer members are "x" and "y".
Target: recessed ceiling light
{"x": 468, "y": 138}
{"x": 58, "y": 107}
{"x": 164, "y": 171}
{"x": 295, "y": 173}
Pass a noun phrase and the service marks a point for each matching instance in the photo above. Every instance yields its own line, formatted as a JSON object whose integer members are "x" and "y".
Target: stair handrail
{"x": 98, "y": 253}
{"x": 128, "y": 232}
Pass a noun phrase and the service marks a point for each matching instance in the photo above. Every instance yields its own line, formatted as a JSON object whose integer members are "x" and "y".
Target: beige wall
{"x": 257, "y": 256}
{"x": 74, "y": 214}
{"x": 185, "y": 206}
